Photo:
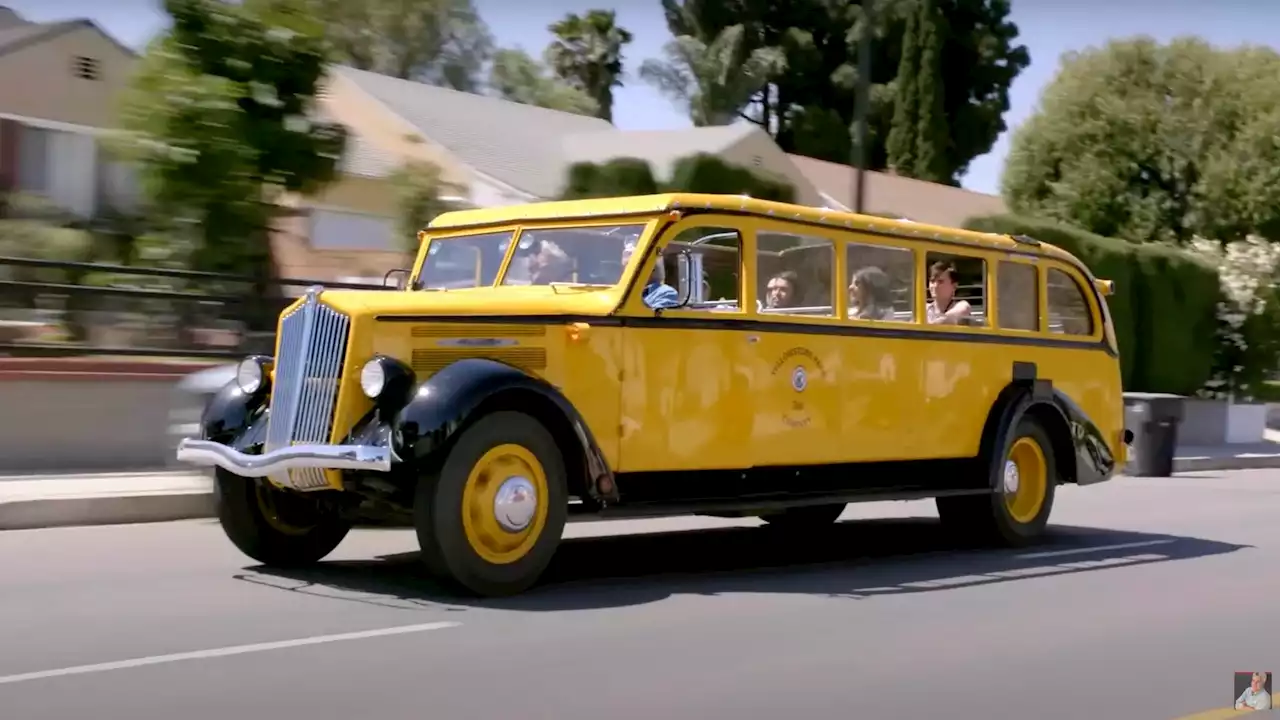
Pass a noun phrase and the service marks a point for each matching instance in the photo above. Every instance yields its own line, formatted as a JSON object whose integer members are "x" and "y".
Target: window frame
{"x": 656, "y": 239}
{"x": 922, "y": 291}
{"x": 919, "y": 286}
{"x": 834, "y": 242}
{"x": 1033, "y": 263}
{"x": 1085, "y": 287}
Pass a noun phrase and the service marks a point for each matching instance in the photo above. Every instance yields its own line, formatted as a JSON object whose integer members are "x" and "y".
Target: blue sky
{"x": 1048, "y": 28}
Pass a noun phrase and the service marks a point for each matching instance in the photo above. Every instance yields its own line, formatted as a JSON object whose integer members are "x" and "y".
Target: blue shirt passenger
{"x": 656, "y": 294}
{"x": 659, "y": 296}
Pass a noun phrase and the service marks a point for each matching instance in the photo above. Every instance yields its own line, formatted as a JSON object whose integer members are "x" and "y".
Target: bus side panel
{"x": 820, "y": 399}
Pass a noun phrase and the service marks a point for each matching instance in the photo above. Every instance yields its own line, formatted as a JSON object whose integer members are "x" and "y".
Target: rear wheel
{"x": 1017, "y": 511}
{"x": 492, "y": 519}
{"x": 805, "y": 517}
{"x": 277, "y": 527}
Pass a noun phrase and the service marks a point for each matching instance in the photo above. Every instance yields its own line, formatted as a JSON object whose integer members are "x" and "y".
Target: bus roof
{"x": 600, "y": 208}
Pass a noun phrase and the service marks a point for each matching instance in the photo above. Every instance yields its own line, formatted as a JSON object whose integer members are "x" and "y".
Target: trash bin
{"x": 1154, "y": 419}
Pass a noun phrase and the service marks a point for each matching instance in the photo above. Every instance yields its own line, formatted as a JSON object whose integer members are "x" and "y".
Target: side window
{"x": 1017, "y": 297}
{"x": 704, "y": 264}
{"x": 881, "y": 283}
{"x": 793, "y": 274}
{"x": 1069, "y": 312}
{"x": 957, "y": 292}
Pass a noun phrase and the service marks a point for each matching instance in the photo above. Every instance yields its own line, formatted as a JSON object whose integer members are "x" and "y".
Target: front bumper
{"x": 325, "y": 457}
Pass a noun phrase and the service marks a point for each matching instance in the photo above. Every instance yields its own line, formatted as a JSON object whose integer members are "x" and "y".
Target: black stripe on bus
{"x": 674, "y": 322}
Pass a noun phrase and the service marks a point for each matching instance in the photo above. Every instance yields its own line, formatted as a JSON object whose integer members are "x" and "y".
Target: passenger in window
{"x": 656, "y": 293}
{"x": 869, "y": 297}
{"x": 550, "y": 264}
{"x": 943, "y": 307}
{"x": 781, "y": 290}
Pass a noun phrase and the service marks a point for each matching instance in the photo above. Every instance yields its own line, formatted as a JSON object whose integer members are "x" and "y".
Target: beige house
{"x": 58, "y": 83}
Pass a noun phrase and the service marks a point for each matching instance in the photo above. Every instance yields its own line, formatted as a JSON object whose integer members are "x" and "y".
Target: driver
{"x": 656, "y": 294}
{"x": 550, "y": 264}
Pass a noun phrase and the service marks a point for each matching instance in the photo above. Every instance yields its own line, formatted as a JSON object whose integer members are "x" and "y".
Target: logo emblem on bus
{"x": 799, "y": 380}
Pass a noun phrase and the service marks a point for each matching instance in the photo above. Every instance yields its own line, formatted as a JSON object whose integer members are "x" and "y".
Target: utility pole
{"x": 862, "y": 102}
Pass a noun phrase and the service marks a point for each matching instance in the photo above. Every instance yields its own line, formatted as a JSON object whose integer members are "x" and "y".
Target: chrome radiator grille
{"x": 308, "y": 367}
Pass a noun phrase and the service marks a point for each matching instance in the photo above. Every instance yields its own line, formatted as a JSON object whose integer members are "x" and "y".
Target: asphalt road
{"x": 1150, "y": 594}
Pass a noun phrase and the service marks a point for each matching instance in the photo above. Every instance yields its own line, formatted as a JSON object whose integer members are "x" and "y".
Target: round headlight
{"x": 373, "y": 378}
{"x": 250, "y": 375}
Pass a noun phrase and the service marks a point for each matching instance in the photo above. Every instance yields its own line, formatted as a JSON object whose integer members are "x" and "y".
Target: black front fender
{"x": 446, "y": 402}
{"x": 230, "y": 413}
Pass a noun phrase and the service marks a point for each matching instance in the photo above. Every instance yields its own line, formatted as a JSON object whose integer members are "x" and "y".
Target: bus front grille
{"x": 308, "y": 373}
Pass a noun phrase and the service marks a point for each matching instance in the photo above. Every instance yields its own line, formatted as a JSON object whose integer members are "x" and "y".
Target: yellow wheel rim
{"x": 267, "y": 508}
{"x": 1026, "y": 476}
{"x": 504, "y": 504}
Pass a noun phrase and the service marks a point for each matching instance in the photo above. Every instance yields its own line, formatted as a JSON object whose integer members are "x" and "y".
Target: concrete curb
{"x": 1237, "y": 462}
{"x": 105, "y": 510}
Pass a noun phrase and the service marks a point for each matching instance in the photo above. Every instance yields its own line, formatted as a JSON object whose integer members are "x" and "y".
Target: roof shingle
{"x": 520, "y": 145}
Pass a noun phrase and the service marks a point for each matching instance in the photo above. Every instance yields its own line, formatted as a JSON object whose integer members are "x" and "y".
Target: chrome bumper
{"x": 324, "y": 457}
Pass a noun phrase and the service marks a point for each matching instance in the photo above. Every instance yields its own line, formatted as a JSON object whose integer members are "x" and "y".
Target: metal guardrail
{"x": 52, "y": 308}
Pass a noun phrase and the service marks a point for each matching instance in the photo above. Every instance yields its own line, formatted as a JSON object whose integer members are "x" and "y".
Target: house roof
{"x": 15, "y": 37}
{"x": 661, "y": 148}
{"x": 361, "y": 156}
{"x": 902, "y": 196}
{"x": 520, "y": 145}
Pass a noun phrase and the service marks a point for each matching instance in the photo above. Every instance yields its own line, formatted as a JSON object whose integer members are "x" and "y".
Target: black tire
{"x": 439, "y": 508}
{"x": 987, "y": 519}
{"x": 805, "y": 517}
{"x": 276, "y": 527}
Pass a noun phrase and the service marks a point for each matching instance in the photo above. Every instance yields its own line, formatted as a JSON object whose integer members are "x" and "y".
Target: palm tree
{"x": 587, "y": 54}
{"x": 712, "y": 81}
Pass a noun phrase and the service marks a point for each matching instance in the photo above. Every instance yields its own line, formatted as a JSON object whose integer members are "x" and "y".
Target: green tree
{"x": 900, "y": 148}
{"x": 587, "y": 54}
{"x": 219, "y": 113}
{"x": 1153, "y": 142}
{"x": 919, "y": 141}
{"x": 421, "y": 195}
{"x": 714, "y": 81}
{"x": 440, "y": 42}
{"x": 517, "y": 77}
{"x": 808, "y": 105}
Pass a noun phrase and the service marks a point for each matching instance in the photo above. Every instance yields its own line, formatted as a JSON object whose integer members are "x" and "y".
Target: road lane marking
{"x": 224, "y": 652}
{"x": 1094, "y": 549}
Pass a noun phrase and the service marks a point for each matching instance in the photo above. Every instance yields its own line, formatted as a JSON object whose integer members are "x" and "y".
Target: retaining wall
{"x": 74, "y": 415}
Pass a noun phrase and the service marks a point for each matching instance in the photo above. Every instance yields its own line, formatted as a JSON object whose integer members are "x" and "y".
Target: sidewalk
{"x": 109, "y": 499}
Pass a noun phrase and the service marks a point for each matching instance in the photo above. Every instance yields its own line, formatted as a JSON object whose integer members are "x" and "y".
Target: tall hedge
{"x": 1164, "y": 307}
{"x": 619, "y": 177}
{"x": 699, "y": 173}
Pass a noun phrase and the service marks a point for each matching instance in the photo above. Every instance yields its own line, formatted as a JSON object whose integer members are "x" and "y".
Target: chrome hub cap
{"x": 1010, "y": 477}
{"x": 515, "y": 504}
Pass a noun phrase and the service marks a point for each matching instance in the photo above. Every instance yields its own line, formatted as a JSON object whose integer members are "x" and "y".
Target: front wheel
{"x": 277, "y": 527}
{"x": 1016, "y": 512}
{"x": 492, "y": 519}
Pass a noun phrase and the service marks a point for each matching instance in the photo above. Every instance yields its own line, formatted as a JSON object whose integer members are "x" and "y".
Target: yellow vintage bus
{"x": 662, "y": 355}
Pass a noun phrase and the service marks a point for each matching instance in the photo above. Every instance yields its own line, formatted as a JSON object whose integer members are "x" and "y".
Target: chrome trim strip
{"x": 308, "y": 457}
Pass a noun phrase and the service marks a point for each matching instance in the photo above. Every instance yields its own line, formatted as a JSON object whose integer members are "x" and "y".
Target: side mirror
{"x": 685, "y": 272}
{"x": 396, "y": 279}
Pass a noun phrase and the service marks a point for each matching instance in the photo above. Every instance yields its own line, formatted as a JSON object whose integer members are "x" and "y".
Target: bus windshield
{"x": 590, "y": 256}
{"x": 572, "y": 255}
